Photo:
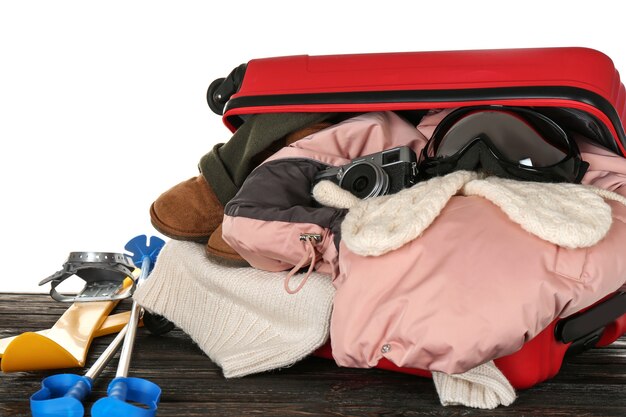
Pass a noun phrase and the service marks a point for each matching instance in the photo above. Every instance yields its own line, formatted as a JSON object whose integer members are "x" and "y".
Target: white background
{"x": 102, "y": 104}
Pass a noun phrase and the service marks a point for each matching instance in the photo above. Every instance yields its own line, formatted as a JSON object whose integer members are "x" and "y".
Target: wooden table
{"x": 591, "y": 384}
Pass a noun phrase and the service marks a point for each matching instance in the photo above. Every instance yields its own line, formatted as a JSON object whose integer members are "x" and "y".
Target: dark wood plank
{"x": 591, "y": 384}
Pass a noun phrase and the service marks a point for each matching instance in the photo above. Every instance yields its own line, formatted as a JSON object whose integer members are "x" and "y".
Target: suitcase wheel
{"x": 214, "y": 98}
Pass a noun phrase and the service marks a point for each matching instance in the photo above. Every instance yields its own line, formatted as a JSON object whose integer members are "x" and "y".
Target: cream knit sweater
{"x": 241, "y": 317}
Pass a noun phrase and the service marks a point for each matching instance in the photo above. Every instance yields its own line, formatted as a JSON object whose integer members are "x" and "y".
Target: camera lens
{"x": 365, "y": 180}
{"x": 360, "y": 184}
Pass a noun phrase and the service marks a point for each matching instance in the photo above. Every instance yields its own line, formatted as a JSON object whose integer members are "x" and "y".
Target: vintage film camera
{"x": 381, "y": 173}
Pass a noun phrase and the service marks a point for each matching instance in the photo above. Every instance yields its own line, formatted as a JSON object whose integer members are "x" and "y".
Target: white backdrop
{"x": 102, "y": 104}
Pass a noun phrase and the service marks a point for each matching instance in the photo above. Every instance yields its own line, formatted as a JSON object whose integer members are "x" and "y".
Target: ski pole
{"x": 125, "y": 392}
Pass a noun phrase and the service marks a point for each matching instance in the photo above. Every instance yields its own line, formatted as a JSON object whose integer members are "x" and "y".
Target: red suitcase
{"x": 583, "y": 81}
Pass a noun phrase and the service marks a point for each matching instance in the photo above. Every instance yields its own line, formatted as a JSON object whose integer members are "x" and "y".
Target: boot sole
{"x": 200, "y": 237}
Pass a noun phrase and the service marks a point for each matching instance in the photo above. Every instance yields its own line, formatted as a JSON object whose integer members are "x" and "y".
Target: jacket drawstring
{"x": 309, "y": 256}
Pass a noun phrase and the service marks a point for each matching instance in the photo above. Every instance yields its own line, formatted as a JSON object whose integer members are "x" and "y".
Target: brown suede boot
{"x": 187, "y": 211}
{"x": 217, "y": 246}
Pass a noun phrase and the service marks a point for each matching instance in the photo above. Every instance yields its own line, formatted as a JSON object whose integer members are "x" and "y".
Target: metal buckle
{"x": 103, "y": 272}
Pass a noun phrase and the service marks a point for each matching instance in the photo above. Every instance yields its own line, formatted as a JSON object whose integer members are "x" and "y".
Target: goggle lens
{"x": 528, "y": 141}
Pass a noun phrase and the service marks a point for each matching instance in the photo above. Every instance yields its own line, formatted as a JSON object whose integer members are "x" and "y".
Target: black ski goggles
{"x": 509, "y": 142}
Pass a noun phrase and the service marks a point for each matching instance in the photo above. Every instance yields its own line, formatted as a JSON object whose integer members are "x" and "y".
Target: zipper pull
{"x": 309, "y": 256}
{"x": 311, "y": 237}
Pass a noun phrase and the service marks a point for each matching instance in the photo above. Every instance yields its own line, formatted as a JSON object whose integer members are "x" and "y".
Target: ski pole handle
{"x": 62, "y": 395}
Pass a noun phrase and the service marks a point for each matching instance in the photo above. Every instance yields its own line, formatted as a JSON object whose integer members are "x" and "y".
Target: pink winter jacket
{"x": 473, "y": 287}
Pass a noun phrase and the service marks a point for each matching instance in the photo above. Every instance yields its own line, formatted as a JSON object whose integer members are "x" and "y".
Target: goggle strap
{"x": 582, "y": 170}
